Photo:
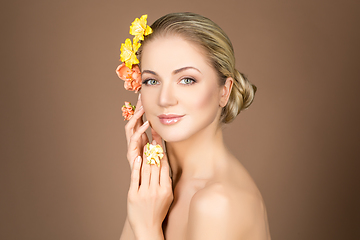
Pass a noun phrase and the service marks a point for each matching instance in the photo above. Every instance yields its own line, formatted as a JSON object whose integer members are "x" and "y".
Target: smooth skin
{"x": 150, "y": 191}
{"x": 210, "y": 195}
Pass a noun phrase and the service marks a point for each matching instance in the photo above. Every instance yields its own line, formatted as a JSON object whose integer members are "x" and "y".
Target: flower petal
{"x": 128, "y": 111}
{"x": 154, "y": 153}
{"x": 123, "y": 72}
{"x": 126, "y": 50}
{"x": 148, "y": 31}
{"x": 138, "y": 26}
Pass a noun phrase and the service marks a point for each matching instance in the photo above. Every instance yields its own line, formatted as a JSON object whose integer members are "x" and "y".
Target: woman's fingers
{"x": 155, "y": 172}
{"x": 135, "y": 175}
{"x": 138, "y": 104}
{"x": 144, "y": 138}
{"x": 165, "y": 179}
{"x": 135, "y": 142}
{"x": 133, "y": 124}
{"x": 137, "y": 108}
{"x": 145, "y": 172}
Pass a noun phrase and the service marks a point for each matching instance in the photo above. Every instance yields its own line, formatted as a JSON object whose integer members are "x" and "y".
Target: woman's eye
{"x": 150, "y": 82}
{"x": 187, "y": 81}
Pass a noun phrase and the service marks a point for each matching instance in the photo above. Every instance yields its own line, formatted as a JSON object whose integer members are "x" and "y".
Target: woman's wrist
{"x": 153, "y": 234}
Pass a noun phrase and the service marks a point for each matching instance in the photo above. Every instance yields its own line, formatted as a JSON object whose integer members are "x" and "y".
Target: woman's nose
{"x": 167, "y": 97}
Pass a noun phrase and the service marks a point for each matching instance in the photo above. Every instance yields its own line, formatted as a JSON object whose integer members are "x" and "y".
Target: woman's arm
{"x": 127, "y": 232}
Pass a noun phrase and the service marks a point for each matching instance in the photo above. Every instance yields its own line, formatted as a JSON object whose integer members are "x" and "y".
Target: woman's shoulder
{"x": 232, "y": 183}
{"x": 232, "y": 205}
{"x": 222, "y": 199}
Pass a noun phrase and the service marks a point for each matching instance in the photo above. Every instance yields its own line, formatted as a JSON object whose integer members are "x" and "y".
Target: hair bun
{"x": 247, "y": 90}
{"x": 241, "y": 97}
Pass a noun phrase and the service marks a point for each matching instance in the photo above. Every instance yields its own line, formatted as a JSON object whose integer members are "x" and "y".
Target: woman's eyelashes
{"x": 187, "y": 81}
{"x": 150, "y": 82}
{"x": 183, "y": 81}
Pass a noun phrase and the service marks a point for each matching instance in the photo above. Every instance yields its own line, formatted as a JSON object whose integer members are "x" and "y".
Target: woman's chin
{"x": 173, "y": 140}
{"x": 171, "y": 135}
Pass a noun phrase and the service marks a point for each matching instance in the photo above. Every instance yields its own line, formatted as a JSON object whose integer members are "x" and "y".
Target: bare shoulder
{"x": 227, "y": 210}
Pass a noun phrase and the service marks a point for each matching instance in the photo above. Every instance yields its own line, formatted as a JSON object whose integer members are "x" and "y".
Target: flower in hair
{"x": 132, "y": 77}
{"x": 129, "y": 70}
{"x": 128, "y": 53}
{"x": 139, "y": 28}
{"x": 128, "y": 111}
{"x": 153, "y": 154}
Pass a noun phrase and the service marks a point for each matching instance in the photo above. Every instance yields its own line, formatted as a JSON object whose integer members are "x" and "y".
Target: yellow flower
{"x": 139, "y": 28}
{"x": 128, "y": 51}
{"x": 136, "y": 45}
{"x": 153, "y": 154}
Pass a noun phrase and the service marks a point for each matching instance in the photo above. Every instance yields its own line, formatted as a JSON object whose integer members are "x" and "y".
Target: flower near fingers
{"x": 132, "y": 77}
{"x": 153, "y": 154}
{"x": 128, "y": 110}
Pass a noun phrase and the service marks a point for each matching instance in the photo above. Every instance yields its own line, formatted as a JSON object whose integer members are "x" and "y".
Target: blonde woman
{"x": 189, "y": 90}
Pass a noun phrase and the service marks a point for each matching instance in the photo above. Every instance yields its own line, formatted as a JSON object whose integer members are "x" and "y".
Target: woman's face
{"x": 180, "y": 92}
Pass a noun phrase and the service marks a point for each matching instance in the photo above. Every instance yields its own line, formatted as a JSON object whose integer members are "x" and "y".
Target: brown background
{"x": 63, "y": 169}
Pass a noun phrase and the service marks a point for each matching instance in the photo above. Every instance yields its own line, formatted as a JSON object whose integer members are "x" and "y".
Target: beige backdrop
{"x": 63, "y": 169}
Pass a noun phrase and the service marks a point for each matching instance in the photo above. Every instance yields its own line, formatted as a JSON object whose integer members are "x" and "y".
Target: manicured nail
{"x": 138, "y": 159}
{"x": 145, "y": 123}
{"x": 139, "y": 96}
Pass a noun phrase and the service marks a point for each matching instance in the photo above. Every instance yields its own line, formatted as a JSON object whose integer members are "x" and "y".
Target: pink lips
{"x": 169, "y": 119}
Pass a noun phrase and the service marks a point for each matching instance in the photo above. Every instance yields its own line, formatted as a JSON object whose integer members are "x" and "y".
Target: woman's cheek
{"x": 204, "y": 100}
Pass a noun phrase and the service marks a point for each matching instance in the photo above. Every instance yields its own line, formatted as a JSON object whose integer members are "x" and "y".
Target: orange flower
{"x": 132, "y": 77}
{"x": 128, "y": 110}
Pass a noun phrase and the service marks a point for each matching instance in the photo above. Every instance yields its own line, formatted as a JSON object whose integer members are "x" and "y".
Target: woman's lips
{"x": 169, "y": 119}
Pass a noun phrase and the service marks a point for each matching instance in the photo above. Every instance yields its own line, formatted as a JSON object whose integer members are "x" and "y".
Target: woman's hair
{"x": 211, "y": 38}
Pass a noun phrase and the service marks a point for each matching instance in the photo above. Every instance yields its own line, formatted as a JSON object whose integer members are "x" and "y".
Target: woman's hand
{"x": 135, "y": 133}
{"x": 149, "y": 197}
{"x": 150, "y": 193}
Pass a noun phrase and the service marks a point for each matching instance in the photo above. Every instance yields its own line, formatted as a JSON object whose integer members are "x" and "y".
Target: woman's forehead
{"x": 172, "y": 51}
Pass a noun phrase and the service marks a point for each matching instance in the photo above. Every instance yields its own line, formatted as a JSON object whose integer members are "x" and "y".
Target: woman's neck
{"x": 198, "y": 157}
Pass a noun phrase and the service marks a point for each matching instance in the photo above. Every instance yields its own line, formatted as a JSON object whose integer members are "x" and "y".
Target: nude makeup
{"x": 169, "y": 119}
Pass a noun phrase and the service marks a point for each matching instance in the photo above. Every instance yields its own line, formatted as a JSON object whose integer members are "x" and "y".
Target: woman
{"x": 190, "y": 88}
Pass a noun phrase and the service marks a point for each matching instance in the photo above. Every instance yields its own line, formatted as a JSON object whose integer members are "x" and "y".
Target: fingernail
{"x": 138, "y": 159}
{"x": 153, "y": 142}
{"x": 145, "y": 123}
{"x": 139, "y": 96}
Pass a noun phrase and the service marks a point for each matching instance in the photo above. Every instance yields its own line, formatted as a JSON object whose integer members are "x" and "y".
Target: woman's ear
{"x": 225, "y": 91}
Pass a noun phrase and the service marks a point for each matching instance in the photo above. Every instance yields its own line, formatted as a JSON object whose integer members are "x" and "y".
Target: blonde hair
{"x": 211, "y": 38}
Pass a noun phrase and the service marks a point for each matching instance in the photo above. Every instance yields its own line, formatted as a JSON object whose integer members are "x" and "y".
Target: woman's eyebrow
{"x": 183, "y": 69}
{"x": 149, "y": 71}
{"x": 174, "y": 72}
